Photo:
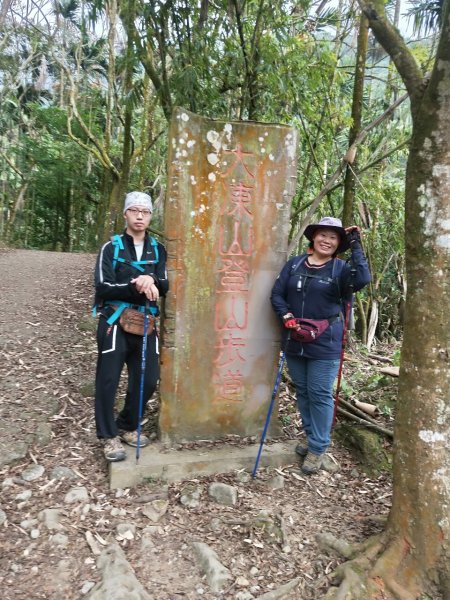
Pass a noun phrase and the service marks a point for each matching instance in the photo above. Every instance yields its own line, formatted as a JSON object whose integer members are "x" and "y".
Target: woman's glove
{"x": 353, "y": 235}
{"x": 289, "y": 321}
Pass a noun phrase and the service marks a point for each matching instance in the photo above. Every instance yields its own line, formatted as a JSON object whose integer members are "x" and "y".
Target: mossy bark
{"x": 414, "y": 555}
{"x": 367, "y": 447}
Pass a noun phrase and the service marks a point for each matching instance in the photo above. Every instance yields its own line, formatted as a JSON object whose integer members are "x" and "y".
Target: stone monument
{"x": 227, "y": 212}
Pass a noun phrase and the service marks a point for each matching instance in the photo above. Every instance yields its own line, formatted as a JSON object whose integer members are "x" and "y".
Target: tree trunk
{"x": 4, "y": 7}
{"x": 17, "y": 207}
{"x": 414, "y": 554}
{"x": 421, "y": 505}
{"x": 358, "y": 91}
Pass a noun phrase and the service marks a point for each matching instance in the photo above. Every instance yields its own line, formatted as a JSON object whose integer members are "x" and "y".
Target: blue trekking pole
{"x": 141, "y": 388}
{"x": 272, "y": 402}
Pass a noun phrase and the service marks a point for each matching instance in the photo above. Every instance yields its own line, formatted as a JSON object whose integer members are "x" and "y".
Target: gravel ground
{"x": 48, "y": 361}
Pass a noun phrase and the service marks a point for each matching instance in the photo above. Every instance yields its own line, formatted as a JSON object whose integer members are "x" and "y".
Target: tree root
{"x": 375, "y": 569}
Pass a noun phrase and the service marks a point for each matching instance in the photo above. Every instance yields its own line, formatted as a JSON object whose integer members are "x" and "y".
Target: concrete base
{"x": 156, "y": 462}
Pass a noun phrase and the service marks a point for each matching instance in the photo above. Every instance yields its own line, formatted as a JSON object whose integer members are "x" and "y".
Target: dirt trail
{"x": 47, "y": 343}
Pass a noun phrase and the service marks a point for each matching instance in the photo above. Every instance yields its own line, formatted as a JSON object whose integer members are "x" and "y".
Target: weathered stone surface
{"x": 61, "y": 471}
{"x": 276, "y": 483}
{"x": 281, "y": 592}
{"x": 126, "y": 531}
{"x": 155, "y": 510}
{"x": 3, "y": 516}
{"x": 28, "y": 523}
{"x": 32, "y": 472}
{"x": 10, "y": 453}
{"x": 43, "y": 433}
{"x": 217, "y": 575}
{"x": 87, "y": 389}
{"x": 51, "y": 518}
{"x": 268, "y": 525}
{"x": 190, "y": 495}
{"x": 223, "y": 493}
{"x": 119, "y": 581}
{"x": 88, "y": 323}
{"x": 228, "y": 205}
{"x": 86, "y": 587}
{"x": 59, "y": 539}
{"x": 24, "y": 496}
{"x": 244, "y": 595}
{"x": 171, "y": 465}
{"x": 76, "y": 494}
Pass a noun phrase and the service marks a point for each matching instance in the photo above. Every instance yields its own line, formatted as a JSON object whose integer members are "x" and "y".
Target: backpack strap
{"x": 120, "y": 306}
{"x": 298, "y": 265}
{"x": 139, "y": 265}
{"x": 336, "y": 272}
{"x": 117, "y": 242}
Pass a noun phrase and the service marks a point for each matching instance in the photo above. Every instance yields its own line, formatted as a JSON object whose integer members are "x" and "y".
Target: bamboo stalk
{"x": 365, "y": 422}
{"x": 357, "y": 411}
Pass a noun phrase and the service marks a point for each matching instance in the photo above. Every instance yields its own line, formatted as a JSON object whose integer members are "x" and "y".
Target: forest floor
{"x": 48, "y": 447}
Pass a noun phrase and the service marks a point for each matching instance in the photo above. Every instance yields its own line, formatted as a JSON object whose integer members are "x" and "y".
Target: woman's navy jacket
{"x": 319, "y": 294}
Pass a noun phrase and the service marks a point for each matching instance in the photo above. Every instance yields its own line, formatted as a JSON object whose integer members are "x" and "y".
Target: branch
{"x": 5, "y": 5}
{"x": 160, "y": 85}
{"x": 365, "y": 422}
{"x": 144, "y": 148}
{"x": 393, "y": 43}
{"x": 90, "y": 149}
{"x": 373, "y": 163}
{"x": 97, "y": 148}
{"x": 347, "y": 159}
{"x": 12, "y": 165}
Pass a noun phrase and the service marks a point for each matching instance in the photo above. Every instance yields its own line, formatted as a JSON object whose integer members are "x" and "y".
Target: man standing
{"x": 130, "y": 273}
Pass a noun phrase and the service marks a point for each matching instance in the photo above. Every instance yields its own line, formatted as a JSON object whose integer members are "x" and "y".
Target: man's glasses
{"x": 136, "y": 211}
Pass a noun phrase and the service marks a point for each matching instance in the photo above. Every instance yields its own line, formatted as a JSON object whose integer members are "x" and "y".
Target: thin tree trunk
{"x": 416, "y": 544}
{"x": 357, "y": 103}
{"x": 19, "y": 205}
{"x": 4, "y": 11}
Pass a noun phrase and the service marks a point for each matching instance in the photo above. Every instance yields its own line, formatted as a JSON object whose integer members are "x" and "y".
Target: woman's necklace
{"x": 315, "y": 266}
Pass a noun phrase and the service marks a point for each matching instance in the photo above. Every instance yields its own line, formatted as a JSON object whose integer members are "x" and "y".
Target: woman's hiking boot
{"x": 312, "y": 463}
{"x": 301, "y": 449}
{"x": 131, "y": 438}
{"x": 113, "y": 450}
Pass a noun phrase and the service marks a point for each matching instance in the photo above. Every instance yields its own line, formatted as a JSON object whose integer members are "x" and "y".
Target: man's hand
{"x": 145, "y": 284}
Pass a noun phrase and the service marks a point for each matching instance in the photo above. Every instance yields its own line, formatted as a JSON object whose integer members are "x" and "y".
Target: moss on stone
{"x": 366, "y": 446}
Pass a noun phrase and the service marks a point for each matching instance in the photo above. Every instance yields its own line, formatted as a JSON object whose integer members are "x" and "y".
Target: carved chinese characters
{"x": 227, "y": 214}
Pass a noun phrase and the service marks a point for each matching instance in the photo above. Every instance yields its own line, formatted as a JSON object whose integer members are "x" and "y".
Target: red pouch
{"x": 309, "y": 330}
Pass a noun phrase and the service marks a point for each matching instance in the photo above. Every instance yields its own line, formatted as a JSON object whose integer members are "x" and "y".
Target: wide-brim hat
{"x": 329, "y": 223}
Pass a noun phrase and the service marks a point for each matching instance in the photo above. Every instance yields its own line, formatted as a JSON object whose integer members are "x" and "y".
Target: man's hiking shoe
{"x": 131, "y": 438}
{"x": 113, "y": 450}
{"x": 301, "y": 449}
{"x": 312, "y": 463}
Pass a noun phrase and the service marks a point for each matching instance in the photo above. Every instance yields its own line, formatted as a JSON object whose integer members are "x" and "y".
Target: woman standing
{"x": 317, "y": 286}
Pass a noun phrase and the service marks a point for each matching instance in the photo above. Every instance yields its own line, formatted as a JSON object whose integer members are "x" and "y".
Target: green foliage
{"x": 275, "y": 62}
{"x": 396, "y": 357}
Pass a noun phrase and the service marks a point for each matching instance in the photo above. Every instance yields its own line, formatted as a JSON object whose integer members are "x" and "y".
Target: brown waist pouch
{"x": 132, "y": 321}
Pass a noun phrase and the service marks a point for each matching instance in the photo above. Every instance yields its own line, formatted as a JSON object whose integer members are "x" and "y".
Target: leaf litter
{"x": 55, "y": 426}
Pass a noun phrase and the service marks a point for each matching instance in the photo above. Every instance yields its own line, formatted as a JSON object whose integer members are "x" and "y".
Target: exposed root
{"x": 376, "y": 570}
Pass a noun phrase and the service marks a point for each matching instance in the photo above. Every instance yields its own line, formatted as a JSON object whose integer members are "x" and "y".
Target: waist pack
{"x": 308, "y": 330}
{"x": 132, "y": 321}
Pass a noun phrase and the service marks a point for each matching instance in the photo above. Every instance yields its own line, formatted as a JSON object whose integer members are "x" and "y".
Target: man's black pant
{"x": 116, "y": 348}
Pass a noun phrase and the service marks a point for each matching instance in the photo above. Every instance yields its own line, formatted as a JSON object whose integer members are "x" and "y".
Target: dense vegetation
{"x": 87, "y": 90}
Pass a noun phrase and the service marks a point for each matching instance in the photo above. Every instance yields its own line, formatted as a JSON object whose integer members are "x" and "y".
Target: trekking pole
{"x": 272, "y": 402}
{"x": 341, "y": 363}
{"x": 141, "y": 388}
{"x": 348, "y": 309}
